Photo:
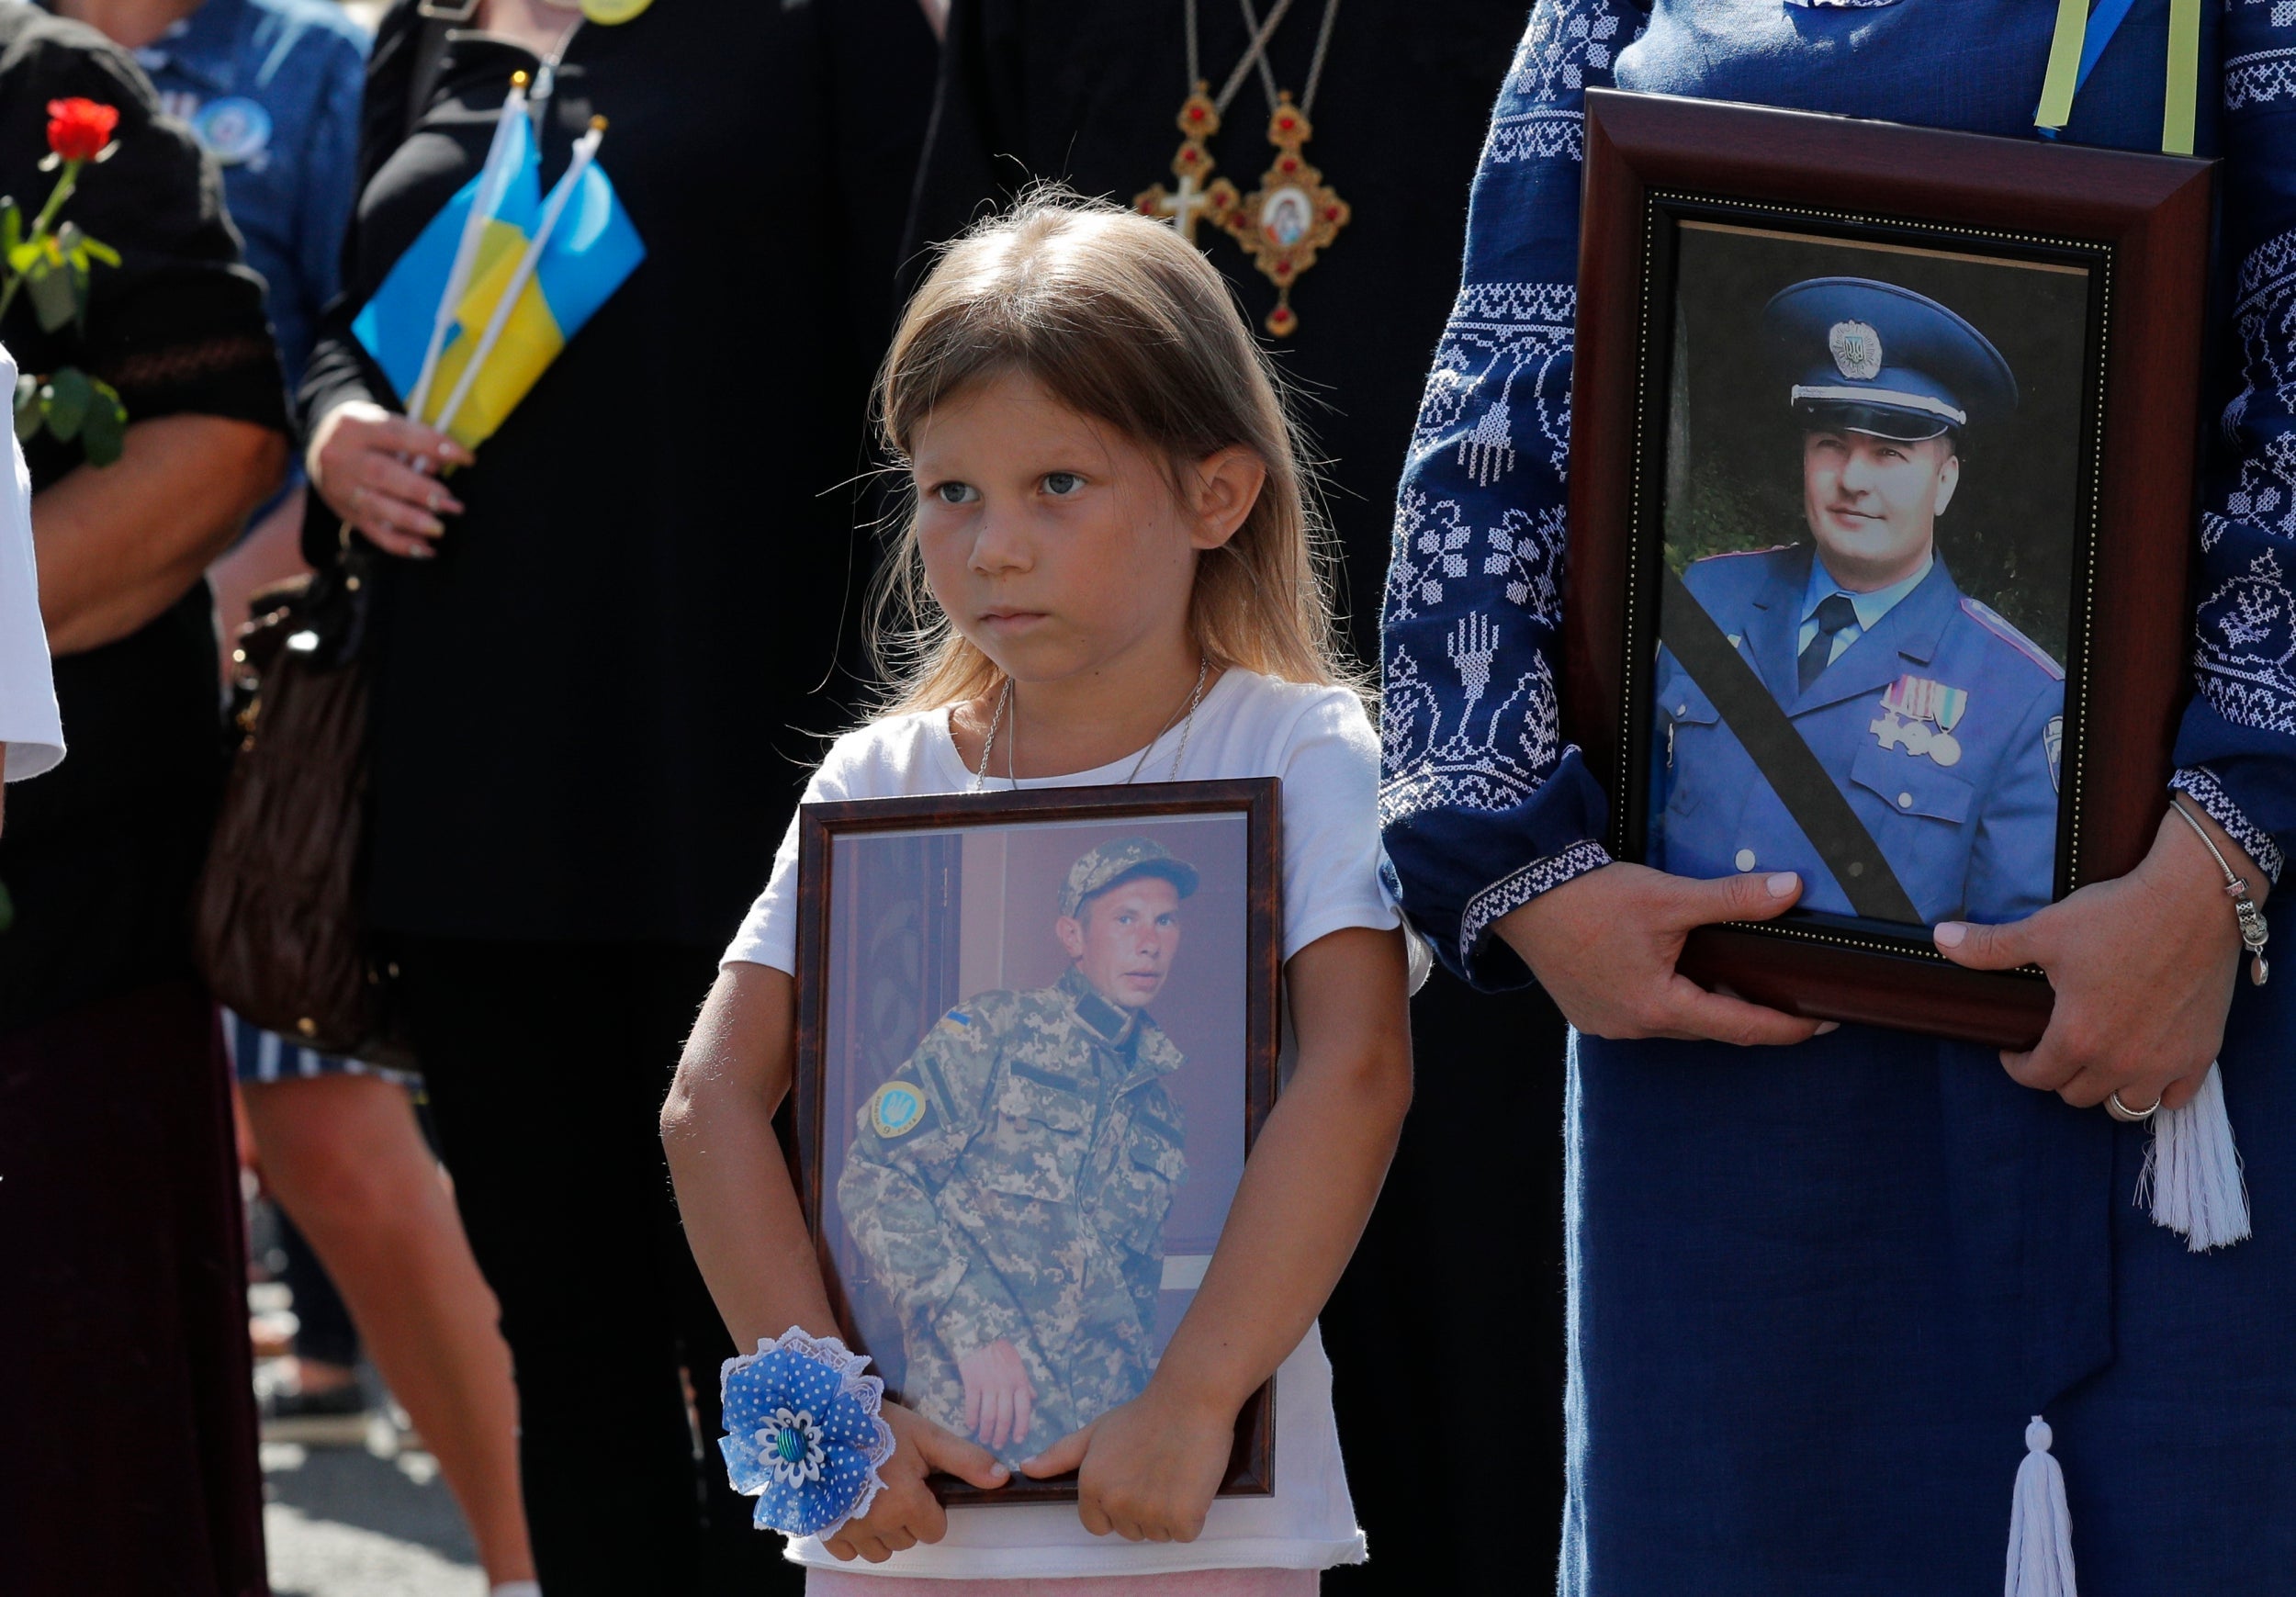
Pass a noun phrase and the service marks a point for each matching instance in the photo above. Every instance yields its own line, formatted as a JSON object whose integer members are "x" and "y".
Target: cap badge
{"x": 1856, "y": 349}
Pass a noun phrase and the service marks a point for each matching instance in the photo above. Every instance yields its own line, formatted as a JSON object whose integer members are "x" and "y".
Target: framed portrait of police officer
{"x": 1881, "y": 473}
{"x": 1036, "y": 1039}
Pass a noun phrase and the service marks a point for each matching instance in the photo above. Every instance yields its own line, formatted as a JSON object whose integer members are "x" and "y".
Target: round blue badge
{"x": 233, "y": 129}
{"x": 895, "y": 1108}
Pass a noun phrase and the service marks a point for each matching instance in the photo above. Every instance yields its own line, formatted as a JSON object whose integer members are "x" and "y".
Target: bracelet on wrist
{"x": 2254, "y": 931}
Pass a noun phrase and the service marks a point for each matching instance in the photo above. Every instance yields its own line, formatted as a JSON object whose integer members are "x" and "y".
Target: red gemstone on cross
{"x": 1332, "y": 215}
{"x": 1285, "y": 123}
{"x": 1283, "y": 268}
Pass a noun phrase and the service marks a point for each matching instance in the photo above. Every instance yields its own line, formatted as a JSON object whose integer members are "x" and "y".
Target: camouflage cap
{"x": 1118, "y": 860}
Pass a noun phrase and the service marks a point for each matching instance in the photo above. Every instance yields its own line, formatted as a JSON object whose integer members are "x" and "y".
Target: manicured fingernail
{"x": 1781, "y": 882}
{"x": 1950, "y": 934}
{"x": 1827, "y": 1025}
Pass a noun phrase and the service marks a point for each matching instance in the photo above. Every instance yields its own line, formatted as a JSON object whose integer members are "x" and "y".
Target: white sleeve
{"x": 1332, "y": 853}
{"x": 29, "y": 726}
{"x": 769, "y": 932}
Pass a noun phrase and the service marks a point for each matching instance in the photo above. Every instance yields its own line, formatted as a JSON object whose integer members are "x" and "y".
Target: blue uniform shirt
{"x": 1967, "y": 822}
{"x": 271, "y": 88}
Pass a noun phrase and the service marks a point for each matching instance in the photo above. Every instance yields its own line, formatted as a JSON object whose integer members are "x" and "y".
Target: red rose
{"x": 78, "y": 129}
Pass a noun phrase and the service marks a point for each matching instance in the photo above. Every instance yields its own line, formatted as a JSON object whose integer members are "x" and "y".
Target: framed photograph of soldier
{"x": 1037, "y": 1035}
{"x": 1880, "y": 477}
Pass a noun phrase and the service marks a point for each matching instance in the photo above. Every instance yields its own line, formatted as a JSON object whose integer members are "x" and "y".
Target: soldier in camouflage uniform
{"x": 1008, "y": 1185}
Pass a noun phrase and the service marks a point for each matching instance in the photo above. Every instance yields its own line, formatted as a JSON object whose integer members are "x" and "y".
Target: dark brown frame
{"x": 1251, "y": 1465}
{"x": 2140, "y": 223}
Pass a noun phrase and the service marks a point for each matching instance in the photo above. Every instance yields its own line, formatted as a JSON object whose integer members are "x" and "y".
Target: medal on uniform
{"x": 608, "y": 12}
{"x": 1918, "y": 715}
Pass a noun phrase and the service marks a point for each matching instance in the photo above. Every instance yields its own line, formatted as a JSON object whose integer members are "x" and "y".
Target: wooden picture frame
{"x": 887, "y": 941}
{"x": 2137, "y": 225}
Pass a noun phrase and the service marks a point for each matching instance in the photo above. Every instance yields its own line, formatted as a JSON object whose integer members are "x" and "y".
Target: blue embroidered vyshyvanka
{"x": 1818, "y": 1293}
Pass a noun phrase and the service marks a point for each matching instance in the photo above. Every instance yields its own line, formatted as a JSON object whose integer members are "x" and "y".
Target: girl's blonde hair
{"x": 1120, "y": 319}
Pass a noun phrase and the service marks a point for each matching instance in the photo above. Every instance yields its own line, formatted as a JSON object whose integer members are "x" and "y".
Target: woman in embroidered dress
{"x": 1821, "y": 1283}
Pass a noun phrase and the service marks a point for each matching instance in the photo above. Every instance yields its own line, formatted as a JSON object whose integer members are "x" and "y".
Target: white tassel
{"x": 2192, "y": 1172}
{"x": 2041, "y": 1530}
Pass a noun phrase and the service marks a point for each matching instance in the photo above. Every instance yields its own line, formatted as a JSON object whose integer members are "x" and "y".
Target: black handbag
{"x": 279, "y": 928}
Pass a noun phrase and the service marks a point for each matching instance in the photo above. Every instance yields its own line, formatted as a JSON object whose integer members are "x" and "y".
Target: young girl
{"x": 1111, "y": 525}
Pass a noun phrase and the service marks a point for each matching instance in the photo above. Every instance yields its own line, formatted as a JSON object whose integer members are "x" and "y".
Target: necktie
{"x": 1834, "y": 613}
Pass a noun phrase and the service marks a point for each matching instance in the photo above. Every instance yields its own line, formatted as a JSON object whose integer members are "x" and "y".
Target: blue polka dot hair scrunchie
{"x": 804, "y": 1435}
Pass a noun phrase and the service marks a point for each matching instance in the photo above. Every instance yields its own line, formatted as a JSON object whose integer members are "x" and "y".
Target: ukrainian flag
{"x": 532, "y": 271}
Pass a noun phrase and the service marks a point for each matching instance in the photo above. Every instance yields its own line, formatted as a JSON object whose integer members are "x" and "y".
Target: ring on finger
{"x": 2127, "y": 1116}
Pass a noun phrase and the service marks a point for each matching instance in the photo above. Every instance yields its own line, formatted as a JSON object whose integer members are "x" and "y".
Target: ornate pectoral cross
{"x": 1193, "y": 199}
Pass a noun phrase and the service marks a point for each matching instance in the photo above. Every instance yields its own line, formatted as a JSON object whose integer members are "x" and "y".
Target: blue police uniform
{"x": 1965, "y": 812}
{"x": 1937, "y": 719}
{"x": 1817, "y": 1292}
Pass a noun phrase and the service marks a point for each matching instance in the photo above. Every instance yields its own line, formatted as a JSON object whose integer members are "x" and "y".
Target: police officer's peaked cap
{"x": 1120, "y": 861}
{"x": 1873, "y": 357}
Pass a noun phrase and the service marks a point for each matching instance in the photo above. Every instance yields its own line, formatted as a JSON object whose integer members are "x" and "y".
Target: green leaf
{"x": 11, "y": 227}
{"x": 105, "y": 432}
{"x": 21, "y": 257}
{"x": 54, "y": 299}
{"x": 70, "y": 394}
{"x": 96, "y": 249}
{"x": 27, "y": 411}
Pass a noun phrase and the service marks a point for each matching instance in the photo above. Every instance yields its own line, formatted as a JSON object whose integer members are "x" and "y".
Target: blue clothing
{"x": 1968, "y": 820}
{"x": 1817, "y": 1292}
{"x": 271, "y": 90}
{"x": 1867, "y": 608}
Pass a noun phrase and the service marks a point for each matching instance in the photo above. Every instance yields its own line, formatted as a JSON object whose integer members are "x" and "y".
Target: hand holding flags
{"x": 485, "y": 298}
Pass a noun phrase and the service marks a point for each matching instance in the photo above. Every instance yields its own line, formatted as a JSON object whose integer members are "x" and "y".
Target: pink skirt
{"x": 1190, "y": 1583}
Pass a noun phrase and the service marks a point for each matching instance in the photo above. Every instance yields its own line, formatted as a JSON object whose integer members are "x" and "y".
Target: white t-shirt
{"x": 1321, "y": 743}
{"x": 30, "y": 728}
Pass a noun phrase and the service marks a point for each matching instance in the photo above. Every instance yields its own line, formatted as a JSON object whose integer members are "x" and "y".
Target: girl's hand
{"x": 2144, "y": 969}
{"x": 999, "y": 1398}
{"x": 1146, "y": 1470}
{"x": 906, "y": 1513}
{"x": 379, "y": 472}
{"x": 1604, "y": 944}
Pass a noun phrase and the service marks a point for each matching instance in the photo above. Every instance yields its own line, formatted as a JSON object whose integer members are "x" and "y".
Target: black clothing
{"x": 128, "y": 1459}
{"x": 592, "y": 710}
{"x": 587, "y": 709}
{"x": 546, "y": 1068}
{"x": 1087, "y": 90}
{"x": 100, "y": 853}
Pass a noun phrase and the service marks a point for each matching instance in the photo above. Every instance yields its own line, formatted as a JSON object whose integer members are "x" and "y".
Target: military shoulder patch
{"x": 896, "y": 1108}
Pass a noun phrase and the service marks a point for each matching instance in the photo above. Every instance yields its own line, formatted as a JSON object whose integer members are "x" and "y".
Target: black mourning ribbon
{"x": 1817, "y": 806}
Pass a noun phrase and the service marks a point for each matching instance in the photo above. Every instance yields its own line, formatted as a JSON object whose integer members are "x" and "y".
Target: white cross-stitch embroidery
{"x": 2245, "y": 644}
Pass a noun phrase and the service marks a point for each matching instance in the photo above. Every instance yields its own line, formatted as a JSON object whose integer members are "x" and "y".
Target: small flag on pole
{"x": 482, "y": 303}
